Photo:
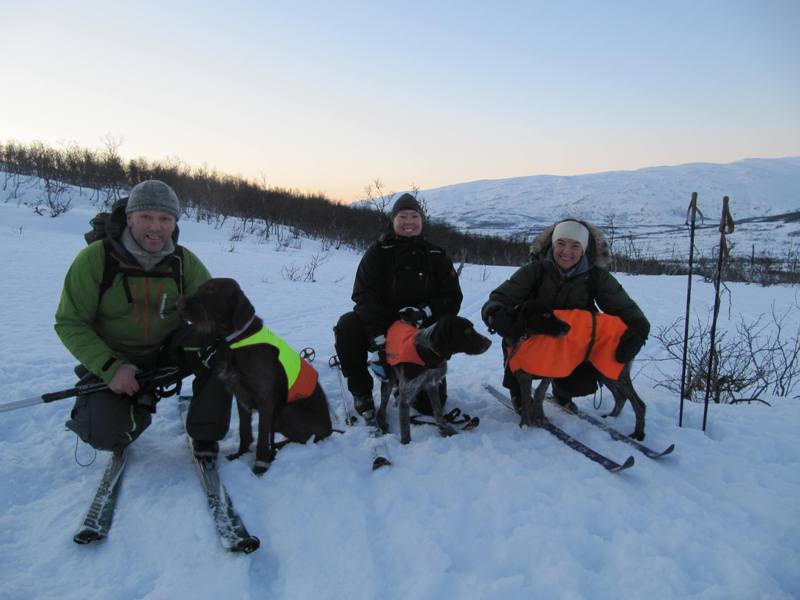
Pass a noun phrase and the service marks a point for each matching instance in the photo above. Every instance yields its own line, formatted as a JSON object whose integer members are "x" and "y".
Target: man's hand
{"x": 124, "y": 380}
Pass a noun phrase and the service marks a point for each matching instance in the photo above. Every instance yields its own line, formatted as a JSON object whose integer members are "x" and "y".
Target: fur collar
{"x": 597, "y": 253}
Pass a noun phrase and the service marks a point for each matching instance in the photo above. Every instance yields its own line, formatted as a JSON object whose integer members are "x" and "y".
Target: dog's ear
{"x": 433, "y": 337}
{"x": 468, "y": 340}
{"x": 440, "y": 332}
{"x": 243, "y": 310}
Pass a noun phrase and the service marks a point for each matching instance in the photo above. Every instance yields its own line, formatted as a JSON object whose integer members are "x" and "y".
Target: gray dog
{"x": 433, "y": 346}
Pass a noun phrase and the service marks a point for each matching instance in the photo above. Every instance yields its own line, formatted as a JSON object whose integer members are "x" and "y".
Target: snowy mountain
{"x": 650, "y": 204}
{"x": 498, "y": 513}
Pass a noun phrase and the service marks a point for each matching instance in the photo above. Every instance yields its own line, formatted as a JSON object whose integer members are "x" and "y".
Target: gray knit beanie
{"x": 153, "y": 195}
{"x": 405, "y": 202}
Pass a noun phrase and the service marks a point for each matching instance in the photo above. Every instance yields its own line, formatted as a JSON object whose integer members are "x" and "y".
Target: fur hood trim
{"x": 597, "y": 253}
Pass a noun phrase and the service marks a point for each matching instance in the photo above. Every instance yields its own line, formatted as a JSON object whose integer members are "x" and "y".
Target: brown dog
{"x": 259, "y": 368}
{"x": 431, "y": 348}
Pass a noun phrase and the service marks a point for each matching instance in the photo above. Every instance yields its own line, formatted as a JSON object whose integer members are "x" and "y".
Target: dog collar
{"x": 229, "y": 338}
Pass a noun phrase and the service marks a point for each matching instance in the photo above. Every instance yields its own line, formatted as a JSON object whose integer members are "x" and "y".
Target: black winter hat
{"x": 406, "y": 202}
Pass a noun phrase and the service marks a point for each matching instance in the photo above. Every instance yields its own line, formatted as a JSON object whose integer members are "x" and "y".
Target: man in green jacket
{"x": 568, "y": 270}
{"x": 117, "y": 312}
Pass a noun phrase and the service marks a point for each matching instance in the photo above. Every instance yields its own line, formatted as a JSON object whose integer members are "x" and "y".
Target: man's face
{"x": 151, "y": 229}
{"x": 407, "y": 223}
{"x": 567, "y": 253}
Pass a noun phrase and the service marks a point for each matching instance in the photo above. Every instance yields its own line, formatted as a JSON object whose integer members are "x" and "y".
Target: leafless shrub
{"x": 462, "y": 261}
{"x": 54, "y": 201}
{"x": 281, "y": 239}
{"x": 237, "y": 232}
{"x": 291, "y": 272}
{"x": 307, "y": 272}
{"x": 310, "y": 269}
{"x": 380, "y": 200}
{"x": 14, "y": 183}
{"x": 423, "y": 201}
{"x": 758, "y": 356}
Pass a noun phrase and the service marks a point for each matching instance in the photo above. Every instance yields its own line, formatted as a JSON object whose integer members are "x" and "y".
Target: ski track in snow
{"x": 500, "y": 512}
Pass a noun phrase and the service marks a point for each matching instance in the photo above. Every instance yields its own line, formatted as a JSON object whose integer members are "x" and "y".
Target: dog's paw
{"x": 238, "y": 454}
{"x": 534, "y": 422}
{"x": 260, "y": 467}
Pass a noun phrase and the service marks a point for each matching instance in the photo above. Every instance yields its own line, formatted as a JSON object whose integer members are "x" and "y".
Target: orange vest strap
{"x": 306, "y": 382}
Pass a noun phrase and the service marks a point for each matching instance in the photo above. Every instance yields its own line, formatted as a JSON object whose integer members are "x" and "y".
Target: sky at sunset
{"x": 329, "y": 96}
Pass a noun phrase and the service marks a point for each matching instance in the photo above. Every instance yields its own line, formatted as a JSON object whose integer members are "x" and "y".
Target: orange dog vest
{"x": 593, "y": 337}
{"x": 305, "y": 384}
{"x": 400, "y": 347}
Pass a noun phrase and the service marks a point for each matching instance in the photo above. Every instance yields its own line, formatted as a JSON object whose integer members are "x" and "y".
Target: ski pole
{"x": 691, "y": 219}
{"x": 156, "y": 378}
{"x": 725, "y": 227}
{"x": 334, "y": 363}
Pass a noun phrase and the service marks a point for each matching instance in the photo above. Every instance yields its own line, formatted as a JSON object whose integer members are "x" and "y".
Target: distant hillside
{"x": 648, "y": 203}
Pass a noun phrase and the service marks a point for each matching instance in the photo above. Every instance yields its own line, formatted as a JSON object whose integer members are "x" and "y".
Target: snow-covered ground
{"x": 497, "y": 513}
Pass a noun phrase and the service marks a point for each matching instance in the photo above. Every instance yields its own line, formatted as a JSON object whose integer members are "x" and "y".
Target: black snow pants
{"x": 109, "y": 421}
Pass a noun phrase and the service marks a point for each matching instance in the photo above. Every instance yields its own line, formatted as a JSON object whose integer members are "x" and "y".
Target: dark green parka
{"x": 134, "y": 316}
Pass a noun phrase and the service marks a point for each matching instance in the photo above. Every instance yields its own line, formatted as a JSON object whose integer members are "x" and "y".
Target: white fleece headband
{"x": 572, "y": 230}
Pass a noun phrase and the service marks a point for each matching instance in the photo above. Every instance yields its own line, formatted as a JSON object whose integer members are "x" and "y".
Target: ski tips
{"x": 380, "y": 461}
{"x": 626, "y": 465}
{"x": 668, "y": 450}
{"x": 87, "y": 537}
{"x": 246, "y": 546}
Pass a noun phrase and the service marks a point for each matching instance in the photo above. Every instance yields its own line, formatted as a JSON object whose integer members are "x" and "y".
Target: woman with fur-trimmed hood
{"x": 568, "y": 270}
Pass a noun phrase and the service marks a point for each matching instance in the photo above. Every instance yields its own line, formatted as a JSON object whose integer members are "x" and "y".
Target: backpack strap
{"x": 112, "y": 266}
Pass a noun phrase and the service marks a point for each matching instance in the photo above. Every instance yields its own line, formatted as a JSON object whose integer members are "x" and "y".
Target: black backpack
{"x": 108, "y": 226}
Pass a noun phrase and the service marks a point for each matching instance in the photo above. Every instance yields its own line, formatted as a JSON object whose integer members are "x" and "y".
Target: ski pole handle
{"x": 156, "y": 378}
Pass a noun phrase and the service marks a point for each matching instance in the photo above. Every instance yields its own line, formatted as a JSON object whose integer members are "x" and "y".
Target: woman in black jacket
{"x": 400, "y": 276}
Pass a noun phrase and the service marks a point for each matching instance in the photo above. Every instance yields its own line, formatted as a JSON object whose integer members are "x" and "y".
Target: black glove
{"x": 629, "y": 345}
{"x": 536, "y": 318}
{"x": 415, "y": 315}
{"x": 505, "y": 321}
